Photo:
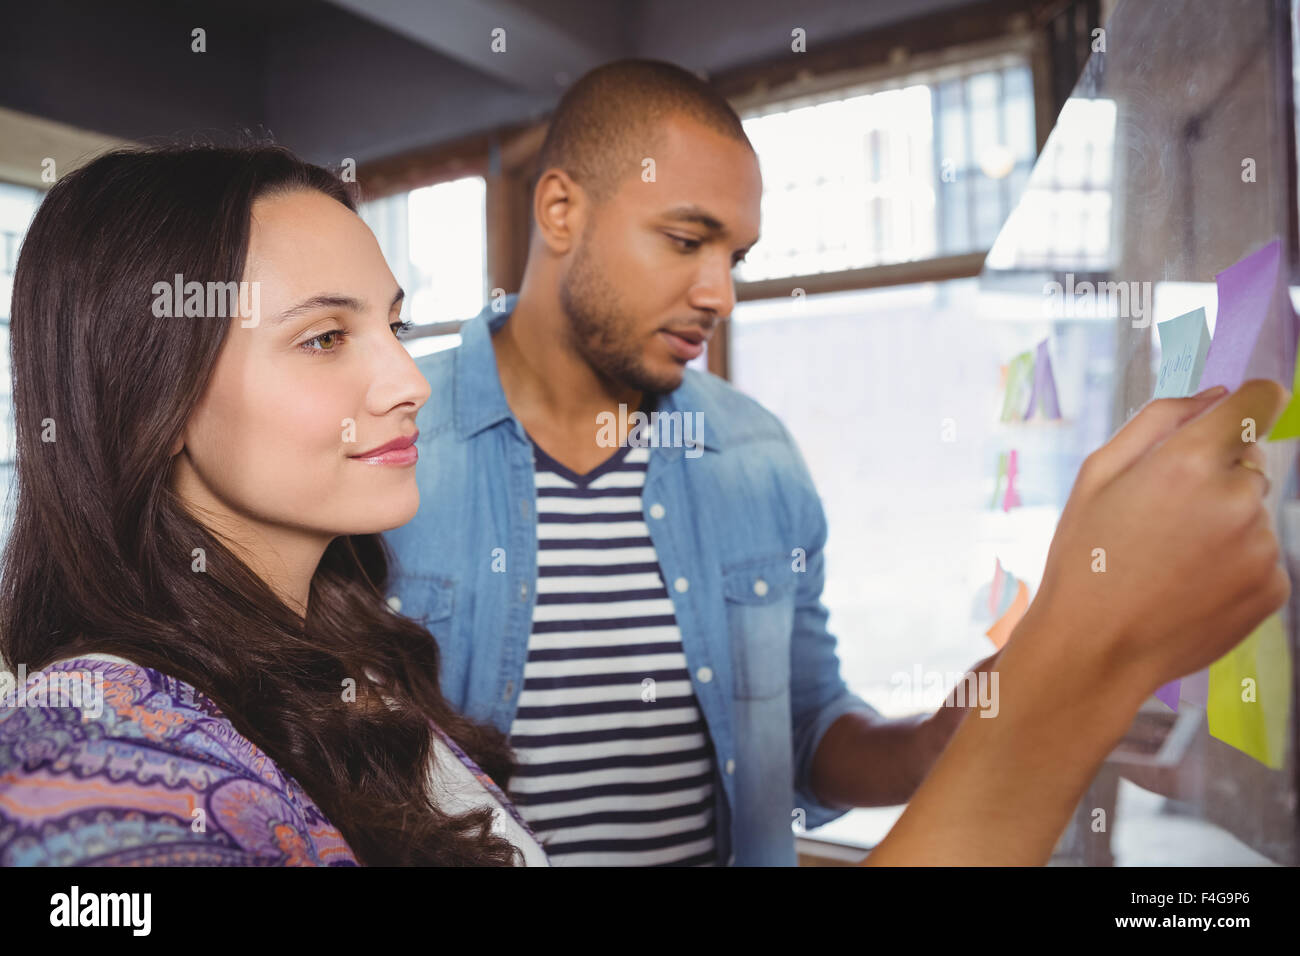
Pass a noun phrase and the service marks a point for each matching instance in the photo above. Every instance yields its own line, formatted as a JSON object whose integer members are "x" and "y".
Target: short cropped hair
{"x": 612, "y": 118}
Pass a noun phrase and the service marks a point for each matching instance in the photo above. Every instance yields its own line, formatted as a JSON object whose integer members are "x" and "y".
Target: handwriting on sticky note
{"x": 1184, "y": 345}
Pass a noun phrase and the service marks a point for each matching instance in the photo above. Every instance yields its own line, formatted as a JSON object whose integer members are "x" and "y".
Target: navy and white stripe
{"x": 607, "y": 777}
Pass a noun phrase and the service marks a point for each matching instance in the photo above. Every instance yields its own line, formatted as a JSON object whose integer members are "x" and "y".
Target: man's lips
{"x": 686, "y": 343}
{"x": 397, "y": 449}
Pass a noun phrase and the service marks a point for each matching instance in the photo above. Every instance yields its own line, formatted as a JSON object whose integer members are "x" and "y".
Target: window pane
{"x": 865, "y": 177}
{"x": 435, "y": 241}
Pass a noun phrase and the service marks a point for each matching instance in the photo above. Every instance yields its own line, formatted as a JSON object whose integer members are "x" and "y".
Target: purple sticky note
{"x": 1169, "y": 694}
{"x": 1195, "y": 688}
{"x": 1044, "y": 385}
{"x": 1246, "y": 293}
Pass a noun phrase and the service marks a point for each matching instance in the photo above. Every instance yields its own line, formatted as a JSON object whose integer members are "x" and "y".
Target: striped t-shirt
{"x": 615, "y": 762}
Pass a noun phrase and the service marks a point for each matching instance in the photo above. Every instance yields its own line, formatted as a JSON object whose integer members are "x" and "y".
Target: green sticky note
{"x": 1249, "y": 701}
{"x": 1020, "y": 379}
{"x": 1184, "y": 343}
{"x": 1288, "y": 425}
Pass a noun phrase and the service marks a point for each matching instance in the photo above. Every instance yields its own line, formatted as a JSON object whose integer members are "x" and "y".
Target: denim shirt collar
{"x": 480, "y": 401}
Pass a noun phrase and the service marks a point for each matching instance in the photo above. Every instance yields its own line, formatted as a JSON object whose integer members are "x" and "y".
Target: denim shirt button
{"x": 523, "y": 591}
{"x": 731, "y": 766}
{"x": 395, "y": 602}
{"x": 680, "y": 585}
{"x": 656, "y": 510}
{"x": 760, "y": 587}
{"x": 510, "y": 690}
{"x": 704, "y": 674}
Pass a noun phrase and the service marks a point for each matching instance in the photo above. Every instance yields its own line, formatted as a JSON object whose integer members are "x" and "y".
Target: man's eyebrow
{"x": 690, "y": 212}
{"x": 693, "y": 213}
{"x": 329, "y": 300}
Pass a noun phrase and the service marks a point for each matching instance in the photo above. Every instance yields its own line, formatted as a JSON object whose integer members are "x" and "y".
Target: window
{"x": 17, "y": 206}
{"x": 927, "y": 166}
{"x": 1064, "y": 221}
{"x": 435, "y": 241}
{"x": 913, "y": 536}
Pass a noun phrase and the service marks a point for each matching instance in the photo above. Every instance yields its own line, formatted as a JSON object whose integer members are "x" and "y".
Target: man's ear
{"x": 560, "y": 208}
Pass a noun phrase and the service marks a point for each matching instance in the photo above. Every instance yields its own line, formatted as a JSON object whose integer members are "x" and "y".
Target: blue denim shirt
{"x": 739, "y": 531}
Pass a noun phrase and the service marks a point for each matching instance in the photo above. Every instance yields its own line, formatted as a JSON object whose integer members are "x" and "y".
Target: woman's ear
{"x": 178, "y": 446}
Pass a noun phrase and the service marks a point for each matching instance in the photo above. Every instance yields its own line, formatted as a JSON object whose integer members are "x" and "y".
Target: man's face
{"x": 651, "y": 275}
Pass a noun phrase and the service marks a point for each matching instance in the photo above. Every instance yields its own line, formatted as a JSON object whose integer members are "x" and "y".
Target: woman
{"x": 198, "y": 495}
{"x": 215, "y": 418}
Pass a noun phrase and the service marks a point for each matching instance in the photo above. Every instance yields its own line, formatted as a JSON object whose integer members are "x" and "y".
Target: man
{"x": 645, "y": 622}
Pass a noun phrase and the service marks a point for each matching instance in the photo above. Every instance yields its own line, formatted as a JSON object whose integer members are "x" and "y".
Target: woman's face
{"x": 278, "y": 441}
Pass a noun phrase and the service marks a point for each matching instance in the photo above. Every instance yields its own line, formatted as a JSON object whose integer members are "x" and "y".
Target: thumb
{"x": 1155, "y": 422}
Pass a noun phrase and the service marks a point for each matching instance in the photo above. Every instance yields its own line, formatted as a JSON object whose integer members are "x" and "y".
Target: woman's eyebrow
{"x": 332, "y": 301}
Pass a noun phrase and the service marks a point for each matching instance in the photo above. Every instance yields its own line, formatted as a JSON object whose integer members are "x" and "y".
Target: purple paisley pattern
{"x": 158, "y": 778}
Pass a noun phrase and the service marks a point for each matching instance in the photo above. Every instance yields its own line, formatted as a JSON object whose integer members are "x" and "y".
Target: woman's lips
{"x": 685, "y": 345}
{"x": 399, "y": 451}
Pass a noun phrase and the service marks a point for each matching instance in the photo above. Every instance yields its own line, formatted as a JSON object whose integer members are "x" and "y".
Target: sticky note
{"x": 1044, "y": 389}
{"x": 995, "y": 590}
{"x": 1250, "y": 694}
{"x": 1288, "y": 423}
{"x": 1246, "y": 293}
{"x": 1000, "y": 632}
{"x": 1012, "y": 498}
{"x": 1195, "y": 688}
{"x": 1002, "y": 590}
{"x": 1020, "y": 377}
{"x": 1184, "y": 344}
{"x": 1168, "y": 694}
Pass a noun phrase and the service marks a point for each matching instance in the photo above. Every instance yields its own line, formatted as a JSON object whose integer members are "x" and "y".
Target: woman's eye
{"x": 328, "y": 341}
{"x": 399, "y": 327}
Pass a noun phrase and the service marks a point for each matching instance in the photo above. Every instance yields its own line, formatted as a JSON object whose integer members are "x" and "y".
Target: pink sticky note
{"x": 1012, "y": 498}
{"x": 995, "y": 591}
{"x": 1246, "y": 295}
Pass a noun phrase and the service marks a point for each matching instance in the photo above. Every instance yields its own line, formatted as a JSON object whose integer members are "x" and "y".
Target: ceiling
{"x": 368, "y": 79}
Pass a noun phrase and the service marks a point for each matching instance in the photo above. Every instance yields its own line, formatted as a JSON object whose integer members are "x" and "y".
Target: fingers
{"x": 1241, "y": 419}
{"x": 1154, "y": 423}
{"x": 1250, "y": 468}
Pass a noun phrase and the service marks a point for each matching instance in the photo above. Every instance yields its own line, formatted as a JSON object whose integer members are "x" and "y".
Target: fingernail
{"x": 1214, "y": 390}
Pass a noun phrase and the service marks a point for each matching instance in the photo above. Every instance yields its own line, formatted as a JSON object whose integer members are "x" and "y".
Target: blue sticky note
{"x": 1184, "y": 344}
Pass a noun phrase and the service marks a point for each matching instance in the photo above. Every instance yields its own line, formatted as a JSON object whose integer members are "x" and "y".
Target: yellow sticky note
{"x": 1250, "y": 694}
{"x": 1000, "y": 632}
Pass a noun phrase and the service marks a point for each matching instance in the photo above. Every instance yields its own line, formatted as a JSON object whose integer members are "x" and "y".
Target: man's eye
{"x": 686, "y": 245}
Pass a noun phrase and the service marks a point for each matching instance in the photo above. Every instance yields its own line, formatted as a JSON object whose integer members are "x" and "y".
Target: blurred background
{"x": 929, "y": 166}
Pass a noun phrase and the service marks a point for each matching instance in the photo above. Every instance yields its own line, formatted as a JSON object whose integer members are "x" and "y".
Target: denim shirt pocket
{"x": 760, "y": 599}
{"x": 427, "y": 598}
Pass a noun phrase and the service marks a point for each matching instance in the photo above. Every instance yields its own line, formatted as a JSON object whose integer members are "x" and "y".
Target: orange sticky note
{"x": 1000, "y": 632}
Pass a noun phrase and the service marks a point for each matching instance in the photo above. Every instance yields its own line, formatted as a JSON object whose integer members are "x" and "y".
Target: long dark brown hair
{"x": 100, "y": 555}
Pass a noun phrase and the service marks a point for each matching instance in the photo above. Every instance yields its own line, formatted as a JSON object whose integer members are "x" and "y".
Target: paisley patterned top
{"x": 104, "y": 762}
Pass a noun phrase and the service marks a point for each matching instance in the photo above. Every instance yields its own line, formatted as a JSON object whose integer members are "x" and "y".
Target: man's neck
{"x": 553, "y": 391}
